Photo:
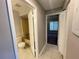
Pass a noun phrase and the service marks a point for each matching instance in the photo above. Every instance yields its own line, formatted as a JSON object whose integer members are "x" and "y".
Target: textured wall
{"x": 41, "y": 29}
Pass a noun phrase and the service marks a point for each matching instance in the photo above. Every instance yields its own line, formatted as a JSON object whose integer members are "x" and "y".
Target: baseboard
{"x": 44, "y": 47}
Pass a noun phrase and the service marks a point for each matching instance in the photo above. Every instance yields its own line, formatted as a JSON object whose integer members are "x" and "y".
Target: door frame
{"x": 66, "y": 24}
{"x": 11, "y": 18}
{"x": 46, "y": 23}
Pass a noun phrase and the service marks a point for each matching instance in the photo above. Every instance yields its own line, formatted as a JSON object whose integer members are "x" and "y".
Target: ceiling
{"x": 21, "y": 7}
{"x": 51, "y": 4}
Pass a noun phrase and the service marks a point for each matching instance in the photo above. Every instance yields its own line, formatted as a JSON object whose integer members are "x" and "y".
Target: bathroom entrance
{"x": 23, "y": 14}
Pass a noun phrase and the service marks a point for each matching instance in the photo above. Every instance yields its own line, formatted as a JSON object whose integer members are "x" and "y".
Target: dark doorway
{"x": 52, "y": 29}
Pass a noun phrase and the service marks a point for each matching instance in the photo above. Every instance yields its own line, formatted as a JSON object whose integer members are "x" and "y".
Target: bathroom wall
{"x": 21, "y": 25}
{"x": 18, "y": 26}
{"x": 25, "y": 24}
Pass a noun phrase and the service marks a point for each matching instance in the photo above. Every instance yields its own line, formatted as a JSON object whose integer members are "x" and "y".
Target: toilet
{"x": 21, "y": 45}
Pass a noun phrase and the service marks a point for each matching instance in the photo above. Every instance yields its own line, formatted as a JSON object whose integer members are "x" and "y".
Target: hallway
{"x": 68, "y": 35}
{"x": 51, "y": 52}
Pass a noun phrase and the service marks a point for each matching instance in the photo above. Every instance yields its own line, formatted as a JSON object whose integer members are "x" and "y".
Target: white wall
{"x": 6, "y": 41}
{"x": 72, "y": 51}
{"x": 41, "y": 30}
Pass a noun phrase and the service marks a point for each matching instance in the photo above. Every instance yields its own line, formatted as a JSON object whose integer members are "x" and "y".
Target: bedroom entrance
{"x": 52, "y": 29}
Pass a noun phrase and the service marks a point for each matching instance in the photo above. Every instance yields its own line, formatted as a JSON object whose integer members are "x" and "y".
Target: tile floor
{"x": 50, "y": 52}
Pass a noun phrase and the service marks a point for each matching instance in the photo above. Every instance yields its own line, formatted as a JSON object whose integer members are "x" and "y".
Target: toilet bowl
{"x": 21, "y": 44}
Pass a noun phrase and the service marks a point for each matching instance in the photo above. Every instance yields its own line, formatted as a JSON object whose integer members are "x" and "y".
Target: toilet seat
{"x": 21, "y": 44}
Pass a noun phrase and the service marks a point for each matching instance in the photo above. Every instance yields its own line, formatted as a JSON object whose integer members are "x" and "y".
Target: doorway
{"x": 23, "y": 17}
{"x": 52, "y": 29}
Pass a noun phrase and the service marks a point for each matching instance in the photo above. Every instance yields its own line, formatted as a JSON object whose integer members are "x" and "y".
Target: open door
{"x": 31, "y": 31}
{"x": 62, "y": 35}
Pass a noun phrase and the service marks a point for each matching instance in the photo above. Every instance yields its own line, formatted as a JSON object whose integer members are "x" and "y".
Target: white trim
{"x": 46, "y": 28}
{"x": 36, "y": 33}
{"x": 12, "y": 26}
{"x": 44, "y": 47}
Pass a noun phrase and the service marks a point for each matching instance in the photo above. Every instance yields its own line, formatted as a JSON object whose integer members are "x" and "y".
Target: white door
{"x": 62, "y": 32}
{"x": 31, "y": 31}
